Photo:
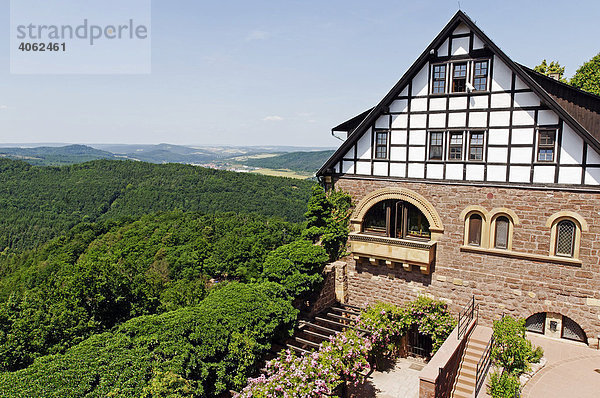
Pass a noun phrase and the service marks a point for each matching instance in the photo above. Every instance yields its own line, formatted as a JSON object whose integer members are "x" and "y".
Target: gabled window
{"x": 381, "y": 145}
{"x": 459, "y": 78}
{"x": 436, "y": 140}
{"x": 546, "y": 141}
{"x": 439, "y": 79}
{"x": 476, "y": 146}
{"x": 455, "y": 151}
{"x": 480, "y": 75}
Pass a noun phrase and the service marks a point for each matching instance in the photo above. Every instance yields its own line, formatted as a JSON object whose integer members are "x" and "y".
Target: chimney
{"x": 554, "y": 75}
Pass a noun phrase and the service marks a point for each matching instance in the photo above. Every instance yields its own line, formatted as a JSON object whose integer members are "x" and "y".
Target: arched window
{"x": 565, "y": 238}
{"x": 396, "y": 219}
{"x": 475, "y": 228}
{"x": 501, "y": 234}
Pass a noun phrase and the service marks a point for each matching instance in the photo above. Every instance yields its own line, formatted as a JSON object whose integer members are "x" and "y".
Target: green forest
{"x": 297, "y": 161}
{"x": 123, "y": 279}
{"x": 39, "y": 203}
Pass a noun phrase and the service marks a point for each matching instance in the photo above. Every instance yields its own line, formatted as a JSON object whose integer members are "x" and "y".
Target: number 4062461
{"x": 42, "y": 46}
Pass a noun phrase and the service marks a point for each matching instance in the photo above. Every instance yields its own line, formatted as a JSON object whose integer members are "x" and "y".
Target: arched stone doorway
{"x": 555, "y": 325}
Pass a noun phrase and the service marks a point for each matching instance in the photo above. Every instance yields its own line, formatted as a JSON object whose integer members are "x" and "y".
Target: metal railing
{"x": 483, "y": 365}
{"x": 465, "y": 317}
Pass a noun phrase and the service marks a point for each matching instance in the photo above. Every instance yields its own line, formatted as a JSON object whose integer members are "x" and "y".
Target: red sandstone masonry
{"x": 500, "y": 284}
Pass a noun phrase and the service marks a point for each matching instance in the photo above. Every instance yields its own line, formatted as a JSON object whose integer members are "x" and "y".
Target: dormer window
{"x": 439, "y": 79}
{"x": 459, "y": 78}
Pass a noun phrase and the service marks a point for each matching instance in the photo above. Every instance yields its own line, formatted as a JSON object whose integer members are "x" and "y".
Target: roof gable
{"x": 441, "y": 48}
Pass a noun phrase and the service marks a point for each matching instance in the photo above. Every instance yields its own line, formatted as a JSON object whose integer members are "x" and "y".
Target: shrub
{"x": 503, "y": 385}
{"x": 297, "y": 266}
{"x": 511, "y": 349}
{"x": 205, "y": 349}
{"x": 316, "y": 374}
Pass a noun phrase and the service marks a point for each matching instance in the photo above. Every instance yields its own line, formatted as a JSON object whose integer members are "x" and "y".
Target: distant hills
{"x": 305, "y": 160}
{"x": 298, "y": 161}
{"x": 56, "y": 156}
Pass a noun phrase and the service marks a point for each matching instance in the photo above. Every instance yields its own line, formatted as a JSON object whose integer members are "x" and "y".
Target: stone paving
{"x": 401, "y": 381}
{"x": 572, "y": 370}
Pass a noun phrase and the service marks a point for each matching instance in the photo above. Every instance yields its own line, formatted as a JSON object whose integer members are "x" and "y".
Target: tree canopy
{"x": 587, "y": 77}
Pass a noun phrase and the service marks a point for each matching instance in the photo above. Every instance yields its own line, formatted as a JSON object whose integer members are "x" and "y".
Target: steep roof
{"x": 581, "y": 105}
{"x": 460, "y": 17}
{"x": 351, "y": 124}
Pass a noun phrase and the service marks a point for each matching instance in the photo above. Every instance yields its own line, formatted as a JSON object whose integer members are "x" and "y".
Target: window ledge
{"x": 521, "y": 255}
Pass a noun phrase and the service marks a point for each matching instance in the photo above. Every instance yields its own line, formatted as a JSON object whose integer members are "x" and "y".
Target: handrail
{"x": 483, "y": 365}
{"x": 465, "y": 317}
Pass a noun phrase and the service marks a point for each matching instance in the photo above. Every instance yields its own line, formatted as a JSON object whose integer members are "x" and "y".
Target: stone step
{"x": 464, "y": 389}
{"x": 466, "y": 382}
{"x": 461, "y": 394}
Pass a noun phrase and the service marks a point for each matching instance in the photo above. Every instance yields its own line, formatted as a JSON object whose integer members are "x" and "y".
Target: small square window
{"x": 480, "y": 73}
{"x": 546, "y": 141}
{"x": 456, "y": 146}
{"x": 439, "y": 79}
{"x": 459, "y": 78}
{"x": 476, "y": 146}
{"x": 436, "y": 145}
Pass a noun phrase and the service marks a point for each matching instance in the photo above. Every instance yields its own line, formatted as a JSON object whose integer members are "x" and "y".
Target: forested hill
{"x": 55, "y": 156}
{"x": 297, "y": 161}
{"x": 38, "y": 203}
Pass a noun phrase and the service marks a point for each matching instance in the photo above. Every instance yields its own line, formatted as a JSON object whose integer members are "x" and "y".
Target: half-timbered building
{"x": 476, "y": 176}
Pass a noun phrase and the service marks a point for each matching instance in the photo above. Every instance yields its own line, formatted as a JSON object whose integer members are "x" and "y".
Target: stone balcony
{"x": 392, "y": 251}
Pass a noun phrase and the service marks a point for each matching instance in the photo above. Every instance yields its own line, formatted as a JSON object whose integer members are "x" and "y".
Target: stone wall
{"x": 500, "y": 283}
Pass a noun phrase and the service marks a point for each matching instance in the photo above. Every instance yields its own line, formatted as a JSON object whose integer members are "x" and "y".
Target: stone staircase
{"x": 464, "y": 387}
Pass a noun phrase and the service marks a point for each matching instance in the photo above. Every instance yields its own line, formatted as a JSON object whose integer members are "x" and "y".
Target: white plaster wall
{"x": 418, "y": 105}
{"x": 523, "y": 118}
{"x": 442, "y": 50}
{"x": 547, "y": 117}
{"x": 454, "y": 171}
{"x": 398, "y": 169}
{"x": 416, "y": 170}
{"x": 543, "y": 174}
{"x": 457, "y": 103}
{"x": 437, "y": 104}
{"x": 404, "y": 92}
{"x": 475, "y": 172}
{"x": 417, "y": 137}
{"x": 364, "y": 146}
{"x": 497, "y": 155}
{"x": 592, "y": 156}
{"x": 420, "y": 85}
{"x": 435, "y": 171}
{"x": 526, "y": 99}
{"x": 500, "y": 100}
{"x": 348, "y": 167}
{"x": 418, "y": 121}
{"x": 350, "y": 153}
{"x": 460, "y": 46}
{"x": 592, "y": 176}
{"x": 500, "y": 118}
{"x": 479, "y": 102}
{"x": 383, "y": 122}
{"x": 502, "y": 76}
{"x": 520, "y": 84}
{"x": 520, "y": 155}
{"x": 519, "y": 173}
{"x": 522, "y": 136}
{"x": 363, "y": 168}
{"x": 461, "y": 28}
{"x": 457, "y": 119}
{"x": 569, "y": 175}
{"x": 416, "y": 153}
{"x": 572, "y": 146}
{"x": 496, "y": 173}
{"x": 399, "y": 121}
{"x": 398, "y": 153}
{"x": 437, "y": 120}
{"x": 498, "y": 136}
{"x": 400, "y": 105}
{"x": 478, "y": 119}
{"x": 477, "y": 43}
{"x": 380, "y": 168}
{"x": 398, "y": 137}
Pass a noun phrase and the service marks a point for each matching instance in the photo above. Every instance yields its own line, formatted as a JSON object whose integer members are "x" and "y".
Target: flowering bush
{"x": 315, "y": 374}
{"x": 388, "y": 323}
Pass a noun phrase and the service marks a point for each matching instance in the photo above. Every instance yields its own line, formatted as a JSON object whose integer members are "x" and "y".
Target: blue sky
{"x": 271, "y": 72}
